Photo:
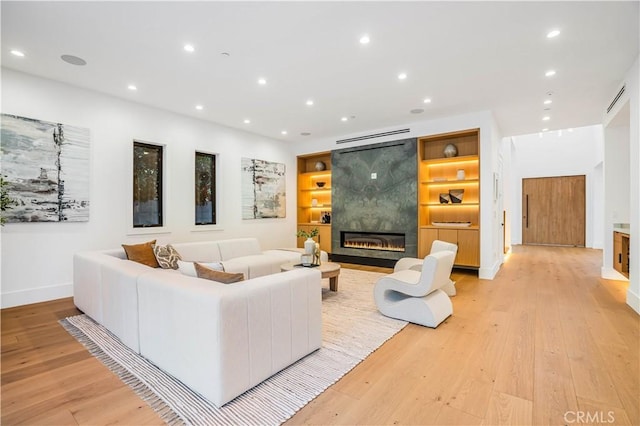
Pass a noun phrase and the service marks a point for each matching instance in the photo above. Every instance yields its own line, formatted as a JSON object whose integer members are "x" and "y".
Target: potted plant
{"x": 309, "y": 244}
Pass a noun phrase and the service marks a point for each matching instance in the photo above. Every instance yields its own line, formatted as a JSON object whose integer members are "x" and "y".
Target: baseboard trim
{"x": 633, "y": 300}
{"x": 36, "y": 295}
{"x": 489, "y": 273}
{"x": 612, "y": 274}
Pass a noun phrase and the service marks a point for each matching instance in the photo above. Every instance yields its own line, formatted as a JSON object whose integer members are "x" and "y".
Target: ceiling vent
{"x": 374, "y": 135}
{"x": 616, "y": 99}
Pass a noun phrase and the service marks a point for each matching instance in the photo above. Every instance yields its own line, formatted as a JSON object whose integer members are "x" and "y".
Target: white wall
{"x": 37, "y": 257}
{"x": 490, "y": 256}
{"x": 559, "y": 153}
{"x": 622, "y": 137}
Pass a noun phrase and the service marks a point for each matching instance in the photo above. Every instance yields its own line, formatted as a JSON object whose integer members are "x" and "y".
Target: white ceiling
{"x": 465, "y": 56}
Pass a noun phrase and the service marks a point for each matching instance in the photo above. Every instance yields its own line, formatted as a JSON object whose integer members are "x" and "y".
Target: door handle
{"x": 527, "y": 207}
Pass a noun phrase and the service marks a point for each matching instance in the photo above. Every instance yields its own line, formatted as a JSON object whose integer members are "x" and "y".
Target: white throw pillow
{"x": 187, "y": 268}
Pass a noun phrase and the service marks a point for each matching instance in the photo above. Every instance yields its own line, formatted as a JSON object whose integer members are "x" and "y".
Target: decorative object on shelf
{"x": 444, "y": 198}
{"x": 452, "y": 224}
{"x": 456, "y": 195}
{"x": 321, "y": 184}
{"x": 45, "y": 169}
{"x": 325, "y": 217}
{"x": 263, "y": 189}
{"x": 460, "y": 174}
{"x": 450, "y": 150}
{"x": 320, "y": 166}
{"x": 314, "y": 202}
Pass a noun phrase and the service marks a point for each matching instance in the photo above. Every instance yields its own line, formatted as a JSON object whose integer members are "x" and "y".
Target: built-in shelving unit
{"x": 458, "y": 223}
{"x": 314, "y": 197}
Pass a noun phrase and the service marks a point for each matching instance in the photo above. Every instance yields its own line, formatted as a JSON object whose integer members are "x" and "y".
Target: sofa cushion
{"x": 219, "y": 276}
{"x": 167, "y": 256}
{"x": 142, "y": 253}
{"x": 238, "y": 247}
{"x": 203, "y": 251}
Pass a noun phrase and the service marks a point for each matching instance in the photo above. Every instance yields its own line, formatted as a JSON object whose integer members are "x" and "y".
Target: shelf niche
{"x": 437, "y": 175}
{"x": 313, "y": 200}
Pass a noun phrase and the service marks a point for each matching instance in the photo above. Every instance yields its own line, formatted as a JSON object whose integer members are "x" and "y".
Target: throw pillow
{"x": 142, "y": 253}
{"x": 187, "y": 268}
{"x": 167, "y": 256}
{"x": 219, "y": 276}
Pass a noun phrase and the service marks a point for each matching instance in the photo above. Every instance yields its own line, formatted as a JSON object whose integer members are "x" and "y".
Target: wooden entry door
{"x": 553, "y": 211}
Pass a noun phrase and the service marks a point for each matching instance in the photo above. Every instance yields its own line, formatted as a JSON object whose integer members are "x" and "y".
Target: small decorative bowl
{"x": 320, "y": 184}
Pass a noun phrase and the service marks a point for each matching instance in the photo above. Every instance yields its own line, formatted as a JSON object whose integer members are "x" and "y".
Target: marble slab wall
{"x": 374, "y": 189}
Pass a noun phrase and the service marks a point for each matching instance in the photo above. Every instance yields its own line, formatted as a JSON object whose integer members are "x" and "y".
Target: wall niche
{"x": 374, "y": 203}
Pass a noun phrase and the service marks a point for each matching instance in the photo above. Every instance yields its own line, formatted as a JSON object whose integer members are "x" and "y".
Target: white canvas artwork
{"x": 263, "y": 189}
{"x": 46, "y": 166}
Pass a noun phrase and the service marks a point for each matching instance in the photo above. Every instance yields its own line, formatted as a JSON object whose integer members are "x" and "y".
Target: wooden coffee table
{"x": 328, "y": 269}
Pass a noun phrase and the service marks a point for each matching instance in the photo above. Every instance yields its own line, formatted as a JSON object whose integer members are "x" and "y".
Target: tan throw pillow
{"x": 219, "y": 276}
{"x": 142, "y": 253}
{"x": 167, "y": 256}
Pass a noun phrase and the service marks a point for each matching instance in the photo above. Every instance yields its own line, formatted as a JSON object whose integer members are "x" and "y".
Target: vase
{"x": 309, "y": 246}
{"x": 320, "y": 166}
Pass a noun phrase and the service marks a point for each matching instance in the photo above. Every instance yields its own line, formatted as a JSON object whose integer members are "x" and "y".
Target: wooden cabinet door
{"x": 448, "y": 235}
{"x": 427, "y": 237}
{"x": 468, "y": 247}
{"x": 324, "y": 238}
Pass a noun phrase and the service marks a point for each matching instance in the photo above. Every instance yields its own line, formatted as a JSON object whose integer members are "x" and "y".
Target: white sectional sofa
{"x": 219, "y": 339}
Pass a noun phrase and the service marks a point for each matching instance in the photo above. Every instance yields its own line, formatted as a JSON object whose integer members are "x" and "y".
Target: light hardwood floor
{"x": 546, "y": 342}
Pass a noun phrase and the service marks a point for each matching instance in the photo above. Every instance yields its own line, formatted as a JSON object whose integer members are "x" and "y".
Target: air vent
{"x": 615, "y": 100}
{"x": 375, "y": 135}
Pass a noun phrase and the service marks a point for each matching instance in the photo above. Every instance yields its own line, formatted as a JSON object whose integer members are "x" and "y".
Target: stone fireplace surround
{"x": 374, "y": 190}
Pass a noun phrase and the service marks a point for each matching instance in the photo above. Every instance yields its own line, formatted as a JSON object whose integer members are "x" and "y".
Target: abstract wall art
{"x": 263, "y": 189}
{"x": 46, "y": 167}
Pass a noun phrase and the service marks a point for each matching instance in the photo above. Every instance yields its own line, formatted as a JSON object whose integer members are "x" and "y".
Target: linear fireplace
{"x": 383, "y": 241}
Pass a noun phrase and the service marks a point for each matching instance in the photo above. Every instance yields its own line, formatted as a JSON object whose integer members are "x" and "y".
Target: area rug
{"x": 352, "y": 328}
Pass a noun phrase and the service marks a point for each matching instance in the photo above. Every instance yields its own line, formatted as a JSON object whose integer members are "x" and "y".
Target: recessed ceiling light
{"x": 199, "y": 107}
{"x": 365, "y": 39}
{"x": 552, "y": 34}
{"x": 189, "y": 48}
{"x": 546, "y": 129}
{"x": 546, "y": 118}
{"x": 427, "y": 100}
{"x": 548, "y": 101}
{"x": 284, "y": 132}
{"x": 247, "y": 121}
{"x": 550, "y": 73}
{"x": 309, "y": 102}
{"x": 305, "y": 134}
{"x": 132, "y": 87}
{"x": 344, "y": 119}
{"x": 417, "y": 111}
{"x": 73, "y": 60}
{"x": 225, "y": 54}
{"x": 570, "y": 129}
{"x": 402, "y": 76}
{"x": 17, "y": 53}
{"x": 262, "y": 81}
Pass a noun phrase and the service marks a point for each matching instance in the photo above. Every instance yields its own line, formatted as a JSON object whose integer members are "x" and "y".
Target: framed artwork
{"x": 263, "y": 189}
{"x": 46, "y": 169}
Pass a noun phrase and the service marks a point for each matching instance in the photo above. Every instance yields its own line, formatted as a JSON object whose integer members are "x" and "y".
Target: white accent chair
{"x": 416, "y": 264}
{"x": 416, "y": 296}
